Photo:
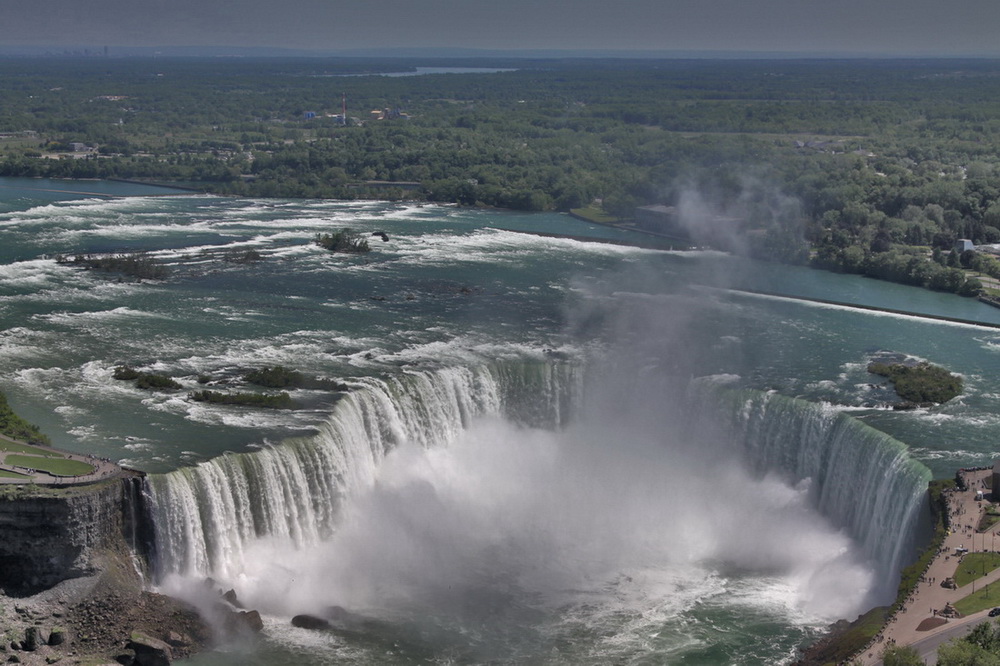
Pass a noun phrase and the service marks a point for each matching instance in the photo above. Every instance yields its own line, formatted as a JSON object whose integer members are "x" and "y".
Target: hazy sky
{"x": 934, "y": 27}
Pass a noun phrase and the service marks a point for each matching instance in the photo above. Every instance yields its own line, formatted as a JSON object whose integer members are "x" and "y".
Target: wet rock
{"x": 251, "y": 620}
{"x": 149, "y": 651}
{"x": 231, "y": 597}
{"x": 310, "y": 622}
{"x": 240, "y": 622}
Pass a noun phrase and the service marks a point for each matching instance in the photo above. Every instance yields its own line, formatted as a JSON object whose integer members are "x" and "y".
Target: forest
{"x": 875, "y": 167}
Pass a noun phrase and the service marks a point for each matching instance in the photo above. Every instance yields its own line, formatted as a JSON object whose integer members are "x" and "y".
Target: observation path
{"x": 103, "y": 469}
{"x": 929, "y": 597}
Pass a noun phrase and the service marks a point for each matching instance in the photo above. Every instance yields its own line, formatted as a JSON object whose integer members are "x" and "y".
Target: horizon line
{"x": 177, "y": 50}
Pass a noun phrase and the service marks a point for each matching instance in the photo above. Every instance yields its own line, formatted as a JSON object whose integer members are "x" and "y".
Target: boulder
{"x": 310, "y": 622}
{"x": 149, "y": 651}
{"x": 231, "y": 597}
{"x": 33, "y": 639}
{"x": 57, "y": 637}
{"x": 244, "y": 621}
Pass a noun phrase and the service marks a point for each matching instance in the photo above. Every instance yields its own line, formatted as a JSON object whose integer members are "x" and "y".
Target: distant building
{"x": 309, "y": 115}
{"x": 963, "y": 244}
{"x": 388, "y": 114}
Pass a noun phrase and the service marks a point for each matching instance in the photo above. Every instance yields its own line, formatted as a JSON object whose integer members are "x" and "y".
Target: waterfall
{"x": 205, "y": 516}
{"x": 208, "y": 518}
{"x": 860, "y": 478}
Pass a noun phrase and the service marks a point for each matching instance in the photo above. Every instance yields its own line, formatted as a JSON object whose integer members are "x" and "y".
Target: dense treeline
{"x": 884, "y": 160}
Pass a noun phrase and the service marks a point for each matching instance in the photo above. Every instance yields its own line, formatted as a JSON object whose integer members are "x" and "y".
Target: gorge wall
{"x": 48, "y": 535}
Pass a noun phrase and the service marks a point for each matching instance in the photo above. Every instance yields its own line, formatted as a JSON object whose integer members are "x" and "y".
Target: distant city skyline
{"x": 862, "y": 27}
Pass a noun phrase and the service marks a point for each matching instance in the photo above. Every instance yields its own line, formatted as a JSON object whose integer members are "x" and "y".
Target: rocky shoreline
{"x": 72, "y": 562}
{"x": 104, "y": 618}
{"x": 111, "y": 618}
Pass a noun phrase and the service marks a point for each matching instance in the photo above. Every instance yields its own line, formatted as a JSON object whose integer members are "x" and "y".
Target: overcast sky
{"x": 925, "y": 27}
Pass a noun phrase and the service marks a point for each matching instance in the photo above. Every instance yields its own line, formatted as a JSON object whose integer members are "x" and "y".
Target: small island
{"x": 919, "y": 384}
{"x": 345, "y": 241}
{"x": 135, "y": 264}
{"x": 145, "y": 380}
{"x": 279, "y": 376}
{"x": 244, "y": 398}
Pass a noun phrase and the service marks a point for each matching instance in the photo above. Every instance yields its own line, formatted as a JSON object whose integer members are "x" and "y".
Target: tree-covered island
{"x": 863, "y": 166}
{"x": 919, "y": 384}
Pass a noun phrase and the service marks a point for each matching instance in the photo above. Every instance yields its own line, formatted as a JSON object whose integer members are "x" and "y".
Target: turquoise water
{"x": 450, "y": 289}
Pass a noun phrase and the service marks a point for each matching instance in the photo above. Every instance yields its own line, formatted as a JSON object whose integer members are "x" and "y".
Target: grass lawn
{"x": 975, "y": 566}
{"x": 57, "y": 466}
{"x": 595, "y": 214}
{"x": 988, "y": 520}
{"x": 12, "y": 475}
{"x": 16, "y": 447}
{"x": 984, "y": 598}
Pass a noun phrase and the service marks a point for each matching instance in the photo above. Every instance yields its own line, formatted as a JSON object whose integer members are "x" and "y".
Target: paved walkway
{"x": 103, "y": 469}
{"x": 929, "y": 596}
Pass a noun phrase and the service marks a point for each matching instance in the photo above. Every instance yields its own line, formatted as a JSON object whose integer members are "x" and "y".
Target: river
{"x": 552, "y": 503}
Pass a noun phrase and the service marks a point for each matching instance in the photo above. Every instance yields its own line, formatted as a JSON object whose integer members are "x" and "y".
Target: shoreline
{"x": 925, "y": 619}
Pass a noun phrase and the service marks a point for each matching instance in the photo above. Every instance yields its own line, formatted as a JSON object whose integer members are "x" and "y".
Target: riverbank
{"x": 107, "y": 617}
{"x": 926, "y": 619}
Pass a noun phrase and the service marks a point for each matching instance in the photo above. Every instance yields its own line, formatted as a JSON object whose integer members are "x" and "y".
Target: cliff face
{"x": 50, "y": 535}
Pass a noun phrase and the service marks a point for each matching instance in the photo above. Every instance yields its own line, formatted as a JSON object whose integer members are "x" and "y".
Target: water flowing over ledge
{"x": 205, "y": 516}
{"x": 860, "y": 478}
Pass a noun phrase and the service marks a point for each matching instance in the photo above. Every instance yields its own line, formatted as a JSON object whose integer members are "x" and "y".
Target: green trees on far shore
{"x": 906, "y": 266}
{"x": 885, "y": 162}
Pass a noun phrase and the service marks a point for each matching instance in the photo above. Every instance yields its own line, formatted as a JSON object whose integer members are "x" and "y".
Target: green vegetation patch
{"x": 15, "y": 427}
{"x": 594, "y": 214}
{"x": 16, "y": 447}
{"x": 974, "y": 566}
{"x": 281, "y": 377}
{"x": 345, "y": 240}
{"x": 847, "y": 639}
{"x": 989, "y": 518}
{"x": 271, "y": 401}
{"x": 922, "y": 383}
{"x": 984, "y": 597}
{"x": 12, "y": 475}
{"x": 55, "y": 466}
